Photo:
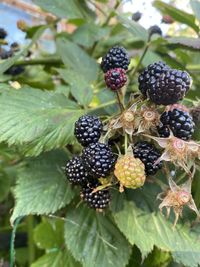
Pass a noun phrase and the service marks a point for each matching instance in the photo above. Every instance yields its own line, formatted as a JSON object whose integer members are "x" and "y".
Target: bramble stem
{"x": 39, "y": 61}
{"x": 112, "y": 102}
{"x": 121, "y": 106}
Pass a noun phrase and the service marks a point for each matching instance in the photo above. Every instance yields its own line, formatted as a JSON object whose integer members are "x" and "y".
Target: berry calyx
{"x": 98, "y": 159}
{"x": 115, "y": 79}
{"x": 116, "y": 57}
{"x": 130, "y": 172}
{"x": 88, "y": 129}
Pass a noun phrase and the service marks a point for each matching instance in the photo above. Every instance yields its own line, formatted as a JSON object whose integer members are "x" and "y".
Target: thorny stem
{"x": 112, "y": 102}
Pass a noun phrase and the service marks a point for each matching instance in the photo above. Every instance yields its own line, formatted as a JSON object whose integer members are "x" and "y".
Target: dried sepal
{"x": 176, "y": 197}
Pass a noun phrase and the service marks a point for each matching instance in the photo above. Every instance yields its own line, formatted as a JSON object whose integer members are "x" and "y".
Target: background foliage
{"x": 36, "y": 135}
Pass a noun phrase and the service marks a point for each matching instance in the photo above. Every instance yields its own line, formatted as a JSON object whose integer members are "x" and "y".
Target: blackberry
{"x": 116, "y": 57}
{"x": 14, "y": 47}
{"x": 151, "y": 72}
{"x": 88, "y": 129}
{"x": 3, "y": 33}
{"x": 148, "y": 154}
{"x": 136, "y": 16}
{"x": 170, "y": 87}
{"x": 98, "y": 159}
{"x": 154, "y": 30}
{"x": 98, "y": 200}
{"x": 179, "y": 122}
{"x": 115, "y": 78}
{"x": 75, "y": 171}
{"x": 15, "y": 70}
{"x": 6, "y": 54}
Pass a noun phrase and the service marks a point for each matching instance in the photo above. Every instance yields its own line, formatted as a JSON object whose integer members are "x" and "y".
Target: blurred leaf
{"x": 77, "y": 59}
{"x": 40, "y": 120}
{"x": 64, "y": 8}
{"x": 80, "y": 88}
{"x": 6, "y": 64}
{"x": 135, "y": 28}
{"x": 94, "y": 240}
{"x": 42, "y": 187}
{"x": 177, "y": 14}
{"x": 185, "y": 42}
{"x": 4, "y": 185}
{"x": 136, "y": 217}
{"x": 87, "y": 34}
{"x": 49, "y": 235}
{"x": 150, "y": 58}
{"x": 61, "y": 258}
{"x": 195, "y": 4}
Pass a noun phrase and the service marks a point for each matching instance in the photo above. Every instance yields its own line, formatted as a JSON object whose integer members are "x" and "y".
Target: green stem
{"x": 118, "y": 2}
{"x": 133, "y": 71}
{"x": 41, "y": 61}
{"x": 112, "y": 102}
{"x": 121, "y": 106}
{"x": 31, "y": 245}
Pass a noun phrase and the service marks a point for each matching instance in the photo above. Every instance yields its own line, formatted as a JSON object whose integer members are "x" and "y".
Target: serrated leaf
{"x": 38, "y": 120}
{"x": 56, "y": 259}
{"x": 80, "y": 88}
{"x": 135, "y": 28}
{"x": 195, "y": 4}
{"x": 94, "y": 240}
{"x": 6, "y": 64}
{"x": 42, "y": 187}
{"x": 70, "y": 9}
{"x": 77, "y": 59}
{"x": 177, "y": 14}
{"x": 145, "y": 228}
{"x": 185, "y": 42}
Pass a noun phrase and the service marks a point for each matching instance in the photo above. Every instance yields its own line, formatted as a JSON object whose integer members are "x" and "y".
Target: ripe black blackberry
{"x": 3, "y": 33}
{"x": 15, "y": 70}
{"x": 136, "y": 16}
{"x": 170, "y": 87}
{"x": 151, "y": 72}
{"x": 154, "y": 30}
{"x": 88, "y": 129}
{"x": 148, "y": 154}
{"x": 75, "y": 171}
{"x": 4, "y": 54}
{"x": 98, "y": 200}
{"x": 115, "y": 78}
{"x": 98, "y": 159}
{"x": 179, "y": 122}
{"x": 117, "y": 57}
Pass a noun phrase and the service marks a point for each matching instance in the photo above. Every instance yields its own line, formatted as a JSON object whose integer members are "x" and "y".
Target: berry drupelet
{"x": 148, "y": 154}
{"x": 88, "y": 129}
{"x": 117, "y": 57}
{"x": 115, "y": 78}
{"x": 75, "y": 172}
{"x": 179, "y": 122}
{"x": 98, "y": 200}
{"x": 98, "y": 159}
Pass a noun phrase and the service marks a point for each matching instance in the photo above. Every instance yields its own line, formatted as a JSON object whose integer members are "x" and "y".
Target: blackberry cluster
{"x": 3, "y": 33}
{"x": 164, "y": 86}
{"x": 98, "y": 159}
{"x": 88, "y": 129}
{"x": 76, "y": 172}
{"x": 115, "y": 78}
{"x": 179, "y": 122}
{"x": 98, "y": 200}
{"x": 116, "y": 57}
{"x": 5, "y": 54}
{"x": 148, "y": 154}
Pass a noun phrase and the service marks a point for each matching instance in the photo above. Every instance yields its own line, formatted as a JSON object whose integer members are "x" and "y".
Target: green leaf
{"x": 56, "y": 259}
{"x": 195, "y": 4}
{"x": 177, "y": 14}
{"x": 42, "y": 187}
{"x": 135, "y": 28}
{"x": 94, "y": 240}
{"x": 62, "y": 8}
{"x": 4, "y": 185}
{"x": 6, "y": 64}
{"x": 80, "y": 88}
{"x": 49, "y": 234}
{"x": 87, "y": 34}
{"x": 77, "y": 59}
{"x": 185, "y": 42}
{"x": 38, "y": 120}
{"x": 135, "y": 217}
